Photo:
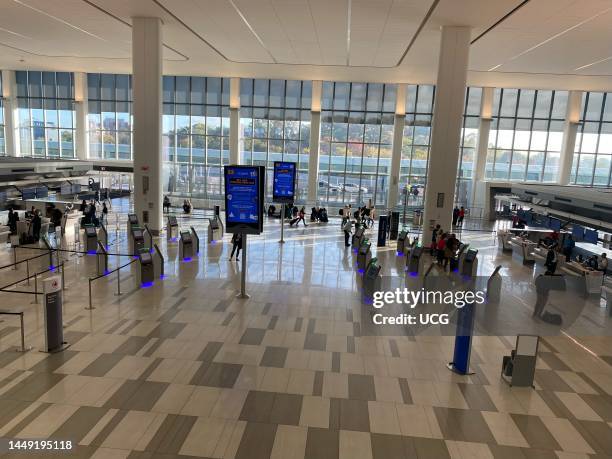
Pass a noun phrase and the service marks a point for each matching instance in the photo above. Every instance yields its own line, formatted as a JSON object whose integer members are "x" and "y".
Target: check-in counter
{"x": 523, "y": 250}
{"x": 504, "y": 237}
{"x": 591, "y": 280}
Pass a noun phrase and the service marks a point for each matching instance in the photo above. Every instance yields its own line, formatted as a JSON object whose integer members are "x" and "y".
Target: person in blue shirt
{"x": 568, "y": 247}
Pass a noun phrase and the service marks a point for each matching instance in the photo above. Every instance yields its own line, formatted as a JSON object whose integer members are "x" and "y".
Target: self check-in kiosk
{"x": 186, "y": 248}
{"x": 196, "y": 240}
{"x": 364, "y": 255}
{"x": 172, "y": 228}
{"x": 148, "y": 236}
{"x": 102, "y": 259}
{"x": 147, "y": 270}
{"x": 137, "y": 240}
{"x": 518, "y": 368}
{"x": 158, "y": 262}
{"x": 358, "y": 237}
{"x": 494, "y": 285}
{"x": 103, "y": 235}
{"x": 402, "y": 238}
{"x": 371, "y": 278}
{"x": 53, "y": 321}
{"x": 132, "y": 221}
{"x": 91, "y": 239}
{"x": 469, "y": 267}
{"x": 413, "y": 262}
{"x": 214, "y": 230}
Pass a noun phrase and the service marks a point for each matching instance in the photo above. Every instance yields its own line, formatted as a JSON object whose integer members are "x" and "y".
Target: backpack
{"x": 347, "y": 226}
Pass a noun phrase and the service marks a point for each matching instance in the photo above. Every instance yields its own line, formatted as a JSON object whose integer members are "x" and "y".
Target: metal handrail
{"x": 117, "y": 270}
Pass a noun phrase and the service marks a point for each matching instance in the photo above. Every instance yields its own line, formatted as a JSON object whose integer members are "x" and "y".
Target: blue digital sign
{"x": 283, "y": 189}
{"x": 244, "y": 199}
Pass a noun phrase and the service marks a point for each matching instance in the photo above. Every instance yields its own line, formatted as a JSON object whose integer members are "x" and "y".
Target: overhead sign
{"x": 244, "y": 195}
{"x": 283, "y": 188}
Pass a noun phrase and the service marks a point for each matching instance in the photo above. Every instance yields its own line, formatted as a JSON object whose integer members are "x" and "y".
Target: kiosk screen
{"x": 470, "y": 256}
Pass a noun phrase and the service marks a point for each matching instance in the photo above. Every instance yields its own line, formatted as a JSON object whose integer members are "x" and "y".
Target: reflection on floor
{"x": 185, "y": 369}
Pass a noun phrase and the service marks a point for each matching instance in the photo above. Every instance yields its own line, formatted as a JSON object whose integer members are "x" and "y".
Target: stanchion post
{"x": 28, "y": 271}
{"x": 118, "y": 282}
{"x": 90, "y": 307}
{"x": 15, "y": 258}
{"x": 23, "y": 349}
{"x": 63, "y": 278}
{"x": 35, "y": 288}
{"x": 282, "y": 239}
{"x": 243, "y": 293}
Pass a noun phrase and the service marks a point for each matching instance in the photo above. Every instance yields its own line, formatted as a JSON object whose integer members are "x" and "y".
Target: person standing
{"x": 455, "y": 215}
{"x": 434, "y": 239}
{"x": 602, "y": 263}
{"x": 551, "y": 261}
{"x": 104, "y": 213}
{"x": 568, "y": 247}
{"x": 36, "y": 225}
{"x": 347, "y": 227}
{"x": 461, "y": 216}
{"x": 236, "y": 245}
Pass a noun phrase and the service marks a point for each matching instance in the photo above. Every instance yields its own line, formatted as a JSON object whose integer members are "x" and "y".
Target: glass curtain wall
{"x": 195, "y": 142}
{"x": 526, "y": 135}
{"x": 356, "y": 140}
{"x": 593, "y": 152}
{"x": 469, "y": 139}
{"x": 45, "y": 102}
{"x": 110, "y": 116}
{"x": 416, "y": 141}
{"x": 2, "y": 123}
{"x": 275, "y": 126}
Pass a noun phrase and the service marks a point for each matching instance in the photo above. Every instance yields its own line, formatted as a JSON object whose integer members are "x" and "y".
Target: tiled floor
{"x": 185, "y": 369}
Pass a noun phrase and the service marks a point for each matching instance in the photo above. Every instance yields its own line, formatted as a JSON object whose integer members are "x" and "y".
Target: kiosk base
{"x": 243, "y": 295}
{"x": 61, "y": 348}
{"x": 451, "y": 367}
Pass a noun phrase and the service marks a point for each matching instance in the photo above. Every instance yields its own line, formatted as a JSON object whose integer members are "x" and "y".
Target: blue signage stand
{"x": 463, "y": 341}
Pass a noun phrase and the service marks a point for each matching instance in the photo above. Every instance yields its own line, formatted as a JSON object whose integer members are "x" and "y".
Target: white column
{"x": 147, "y": 108}
{"x": 396, "y": 150}
{"x": 315, "y": 131}
{"x": 235, "y": 134}
{"x": 572, "y": 118}
{"x": 80, "y": 110}
{"x": 11, "y": 115}
{"x": 446, "y": 132}
{"x": 480, "y": 155}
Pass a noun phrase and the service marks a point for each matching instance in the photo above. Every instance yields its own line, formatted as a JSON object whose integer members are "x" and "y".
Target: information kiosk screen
{"x": 283, "y": 189}
{"x": 417, "y": 252}
{"x": 138, "y": 234}
{"x": 470, "y": 256}
{"x": 244, "y": 187}
{"x": 591, "y": 236}
{"x": 402, "y": 235}
{"x": 172, "y": 220}
{"x": 578, "y": 232}
{"x": 364, "y": 249}
{"x": 145, "y": 258}
{"x": 186, "y": 236}
{"x": 359, "y": 231}
{"x": 133, "y": 219}
{"x": 90, "y": 231}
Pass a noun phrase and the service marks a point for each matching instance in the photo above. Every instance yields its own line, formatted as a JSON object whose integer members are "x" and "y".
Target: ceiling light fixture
{"x": 605, "y": 59}
{"x": 495, "y": 67}
{"x": 14, "y": 33}
{"x": 59, "y": 20}
{"x": 348, "y": 32}
{"x": 257, "y": 37}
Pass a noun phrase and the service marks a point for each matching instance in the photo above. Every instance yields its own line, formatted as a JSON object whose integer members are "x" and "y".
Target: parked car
{"x": 332, "y": 188}
{"x": 353, "y": 188}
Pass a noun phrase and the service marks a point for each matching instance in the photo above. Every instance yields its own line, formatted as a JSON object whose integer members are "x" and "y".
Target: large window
{"x": 356, "y": 139}
{"x": 195, "y": 135}
{"x": 469, "y": 139}
{"x": 2, "y": 135}
{"x": 110, "y": 118}
{"x": 593, "y": 151}
{"x": 275, "y": 125}
{"x": 45, "y": 103}
{"x": 416, "y": 140}
{"x": 526, "y": 134}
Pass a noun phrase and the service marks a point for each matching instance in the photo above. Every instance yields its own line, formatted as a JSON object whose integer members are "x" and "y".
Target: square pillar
{"x": 235, "y": 134}
{"x": 570, "y": 130}
{"x": 315, "y": 138}
{"x": 147, "y": 109}
{"x": 446, "y": 132}
{"x": 11, "y": 115}
{"x": 396, "y": 150}
{"x": 81, "y": 110}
